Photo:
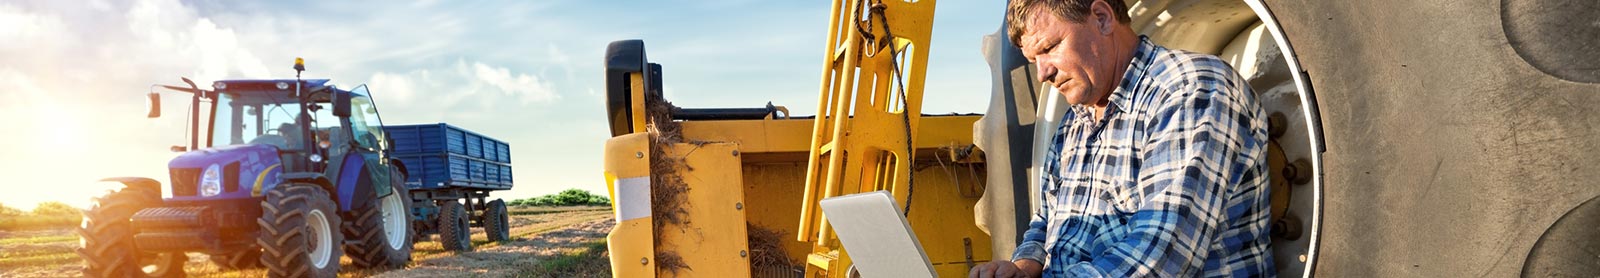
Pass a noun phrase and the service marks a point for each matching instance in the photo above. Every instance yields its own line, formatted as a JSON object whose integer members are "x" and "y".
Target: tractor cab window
{"x": 255, "y": 117}
{"x": 326, "y": 128}
{"x": 364, "y": 121}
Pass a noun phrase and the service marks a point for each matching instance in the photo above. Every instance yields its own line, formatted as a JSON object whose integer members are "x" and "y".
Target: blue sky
{"x": 527, "y": 72}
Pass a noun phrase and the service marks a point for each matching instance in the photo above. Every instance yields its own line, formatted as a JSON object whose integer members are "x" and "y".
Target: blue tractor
{"x": 288, "y": 175}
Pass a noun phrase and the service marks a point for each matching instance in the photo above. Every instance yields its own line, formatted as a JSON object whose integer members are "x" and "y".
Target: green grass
{"x": 42, "y": 258}
{"x": 544, "y": 210}
{"x": 40, "y": 252}
{"x": 591, "y": 261}
{"x": 26, "y": 251}
{"x": 38, "y": 222}
{"x": 39, "y": 239}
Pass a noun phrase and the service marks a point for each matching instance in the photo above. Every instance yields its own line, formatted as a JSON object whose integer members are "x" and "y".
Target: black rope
{"x": 905, "y": 114}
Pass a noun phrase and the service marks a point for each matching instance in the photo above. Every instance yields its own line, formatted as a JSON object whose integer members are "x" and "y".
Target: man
{"x": 1160, "y": 166}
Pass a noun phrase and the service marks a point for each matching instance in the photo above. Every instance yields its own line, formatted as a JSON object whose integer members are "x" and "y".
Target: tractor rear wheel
{"x": 236, "y": 260}
{"x": 496, "y": 222}
{"x": 382, "y": 229}
{"x": 299, "y": 232}
{"x": 454, "y": 232}
{"x": 106, "y": 238}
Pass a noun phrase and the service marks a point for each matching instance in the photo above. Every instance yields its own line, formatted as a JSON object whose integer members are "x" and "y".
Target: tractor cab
{"x": 245, "y": 134}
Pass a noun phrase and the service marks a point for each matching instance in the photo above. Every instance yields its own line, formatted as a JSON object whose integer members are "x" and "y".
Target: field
{"x": 548, "y": 242}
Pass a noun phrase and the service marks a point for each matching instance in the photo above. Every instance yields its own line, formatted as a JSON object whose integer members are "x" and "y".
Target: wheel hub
{"x": 394, "y": 220}
{"x": 321, "y": 238}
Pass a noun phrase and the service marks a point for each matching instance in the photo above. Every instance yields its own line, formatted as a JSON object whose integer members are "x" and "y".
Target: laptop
{"x": 877, "y": 235}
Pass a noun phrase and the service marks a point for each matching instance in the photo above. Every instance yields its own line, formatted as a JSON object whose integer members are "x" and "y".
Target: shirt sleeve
{"x": 1196, "y": 135}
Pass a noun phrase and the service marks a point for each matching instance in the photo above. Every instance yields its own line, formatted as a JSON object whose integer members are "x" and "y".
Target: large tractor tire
{"x": 454, "y": 232}
{"x": 382, "y": 229}
{"x": 106, "y": 244}
{"x": 1460, "y": 134}
{"x": 236, "y": 260}
{"x": 497, "y": 222}
{"x": 299, "y": 232}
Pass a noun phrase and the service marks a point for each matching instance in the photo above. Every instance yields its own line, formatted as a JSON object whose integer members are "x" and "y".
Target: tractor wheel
{"x": 496, "y": 222}
{"x": 454, "y": 233}
{"x": 299, "y": 232}
{"x": 382, "y": 229}
{"x": 106, "y": 238}
{"x": 237, "y": 260}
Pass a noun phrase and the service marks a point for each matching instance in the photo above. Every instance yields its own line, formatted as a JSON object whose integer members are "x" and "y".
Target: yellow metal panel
{"x": 753, "y": 136}
{"x": 781, "y": 136}
{"x": 628, "y": 155}
{"x": 636, "y": 81}
{"x": 942, "y": 217}
{"x": 630, "y": 243}
{"x": 632, "y": 252}
{"x": 713, "y": 244}
{"x": 772, "y": 201}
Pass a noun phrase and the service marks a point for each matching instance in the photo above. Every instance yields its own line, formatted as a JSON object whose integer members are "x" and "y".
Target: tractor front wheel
{"x": 299, "y": 232}
{"x": 106, "y": 238}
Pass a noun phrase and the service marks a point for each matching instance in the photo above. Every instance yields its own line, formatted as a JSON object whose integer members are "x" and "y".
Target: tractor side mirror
{"x": 153, "y": 105}
{"x": 341, "y": 104}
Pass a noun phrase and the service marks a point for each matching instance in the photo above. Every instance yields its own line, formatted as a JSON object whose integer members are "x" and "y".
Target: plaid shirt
{"x": 1171, "y": 182}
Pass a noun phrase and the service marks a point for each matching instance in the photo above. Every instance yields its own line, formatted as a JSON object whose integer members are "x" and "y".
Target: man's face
{"x": 1073, "y": 57}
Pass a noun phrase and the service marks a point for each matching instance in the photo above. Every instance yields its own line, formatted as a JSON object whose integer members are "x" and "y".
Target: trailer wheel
{"x": 299, "y": 235}
{"x": 236, "y": 260}
{"x": 382, "y": 229}
{"x": 106, "y": 238}
{"x": 496, "y": 222}
{"x": 454, "y": 233}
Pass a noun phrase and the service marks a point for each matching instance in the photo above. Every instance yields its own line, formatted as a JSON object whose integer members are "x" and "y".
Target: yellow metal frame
{"x": 630, "y": 242}
{"x": 861, "y": 140}
{"x": 770, "y": 173}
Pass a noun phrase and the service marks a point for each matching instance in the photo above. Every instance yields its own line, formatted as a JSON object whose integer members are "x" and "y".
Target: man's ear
{"x": 1100, "y": 13}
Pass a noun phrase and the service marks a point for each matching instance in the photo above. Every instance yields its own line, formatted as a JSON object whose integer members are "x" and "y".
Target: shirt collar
{"x": 1136, "y": 71}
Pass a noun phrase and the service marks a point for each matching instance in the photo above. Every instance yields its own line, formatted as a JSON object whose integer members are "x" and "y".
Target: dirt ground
{"x": 566, "y": 242}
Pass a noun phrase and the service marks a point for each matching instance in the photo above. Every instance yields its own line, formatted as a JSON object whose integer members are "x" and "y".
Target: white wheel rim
{"x": 394, "y": 220}
{"x": 158, "y": 264}
{"x": 321, "y": 238}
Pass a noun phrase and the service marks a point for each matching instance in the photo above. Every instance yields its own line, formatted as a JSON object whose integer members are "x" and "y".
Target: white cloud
{"x": 167, "y": 27}
{"x": 526, "y": 88}
{"x": 398, "y": 87}
{"x": 23, "y": 30}
{"x": 561, "y": 59}
{"x": 461, "y": 91}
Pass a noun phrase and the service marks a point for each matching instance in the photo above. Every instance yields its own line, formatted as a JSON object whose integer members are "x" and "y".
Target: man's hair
{"x": 1019, "y": 11}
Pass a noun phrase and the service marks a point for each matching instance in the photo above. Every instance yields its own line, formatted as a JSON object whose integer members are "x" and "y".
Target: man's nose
{"x": 1046, "y": 72}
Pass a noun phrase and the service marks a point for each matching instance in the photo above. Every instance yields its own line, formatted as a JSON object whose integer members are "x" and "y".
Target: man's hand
{"x": 1005, "y": 269}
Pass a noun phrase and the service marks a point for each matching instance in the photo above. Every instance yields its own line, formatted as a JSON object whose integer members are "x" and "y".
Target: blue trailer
{"x": 443, "y": 164}
{"x": 445, "y": 156}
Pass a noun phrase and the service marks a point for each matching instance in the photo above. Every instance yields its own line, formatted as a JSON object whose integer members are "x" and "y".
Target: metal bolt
{"x": 738, "y": 206}
{"x": 1276, "y": 125}
{"x": 644, "y": 260}
{"x": 1287, "y": 228}
{"x": 735, "y": 152}
{"x": 743, "y": 253}
{"x": 638, "y": 154}
{"x": 1302, "y": 171}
